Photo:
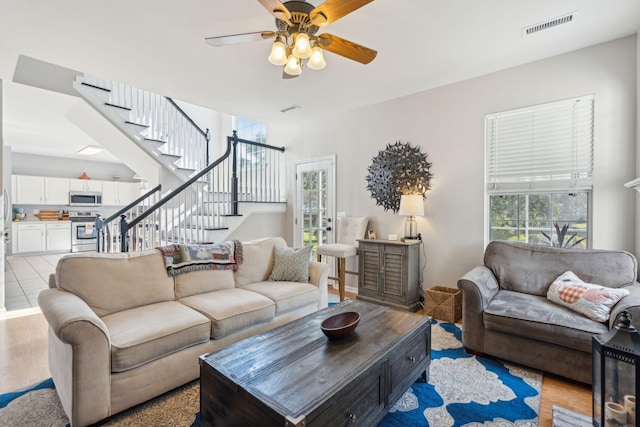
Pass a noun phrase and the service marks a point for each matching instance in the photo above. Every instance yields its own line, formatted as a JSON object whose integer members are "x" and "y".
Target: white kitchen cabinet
{"x": 56, "y": 191}
{"x": 58, "y": 236}
{"x": 40, "y": 190}
{"x": 85, "y": 185}
{"x": 29, "y": 190}
{"x": 31, "y": 237}
{"x": 118, "y": 193}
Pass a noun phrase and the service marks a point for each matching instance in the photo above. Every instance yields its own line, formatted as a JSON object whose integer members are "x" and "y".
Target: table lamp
{"x": 411, "y": 205}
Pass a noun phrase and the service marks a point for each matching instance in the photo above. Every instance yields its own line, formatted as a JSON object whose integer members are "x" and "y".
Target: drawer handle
{"x": 412, "y": 359}
{"x": 352, "y": 417}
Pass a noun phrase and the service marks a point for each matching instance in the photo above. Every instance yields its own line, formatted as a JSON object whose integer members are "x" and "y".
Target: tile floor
{"x": 25, "y": 277}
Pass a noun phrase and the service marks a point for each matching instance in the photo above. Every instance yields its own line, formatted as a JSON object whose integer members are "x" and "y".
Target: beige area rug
{"x": 39, "y": 408}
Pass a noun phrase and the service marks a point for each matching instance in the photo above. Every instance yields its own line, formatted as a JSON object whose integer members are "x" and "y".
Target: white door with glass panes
{"x": 314, "y": 221}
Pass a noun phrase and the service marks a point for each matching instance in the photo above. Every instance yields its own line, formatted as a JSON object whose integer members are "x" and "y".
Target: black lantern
{"x": 616, "y": 370}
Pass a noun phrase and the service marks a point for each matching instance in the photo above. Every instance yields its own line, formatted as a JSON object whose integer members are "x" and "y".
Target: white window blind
{"x": 547, "y": 146}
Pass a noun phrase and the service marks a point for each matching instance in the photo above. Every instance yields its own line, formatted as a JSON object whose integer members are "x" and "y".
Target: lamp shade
{"x": 302, "y": 47}
{"x": 316, "y": 61}
{"x": 411, "y": 205}
{"x": 293, "y": 66}
{"x": 278, "y": 54}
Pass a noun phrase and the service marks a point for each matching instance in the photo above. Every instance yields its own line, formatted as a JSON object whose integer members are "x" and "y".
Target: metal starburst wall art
{"x": 397, "y": 170}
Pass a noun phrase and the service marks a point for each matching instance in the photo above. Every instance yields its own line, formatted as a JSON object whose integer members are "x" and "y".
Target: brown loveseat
{"x": 121, "y": 331}
{"x": 506, "y": 312}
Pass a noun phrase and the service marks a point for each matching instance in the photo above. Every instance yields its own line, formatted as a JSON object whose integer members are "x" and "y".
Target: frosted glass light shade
{"x": 278, "y": 54}
{"x": 302, "y": 48}
{"x": 316, "y": 61}
{"x": 293, "y": 66}
{"x": 411, "y": 205}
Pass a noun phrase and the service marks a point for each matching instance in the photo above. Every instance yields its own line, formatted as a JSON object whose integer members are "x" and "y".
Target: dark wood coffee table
{"x": 294, "y": 376}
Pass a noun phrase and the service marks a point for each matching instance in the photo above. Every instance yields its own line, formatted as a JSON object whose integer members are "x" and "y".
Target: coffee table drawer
{"x": 409, "y": 361}
{"x": 359, "y": 404}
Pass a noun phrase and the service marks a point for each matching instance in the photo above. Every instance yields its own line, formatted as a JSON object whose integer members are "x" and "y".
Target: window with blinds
{"x": 543, "y": 147}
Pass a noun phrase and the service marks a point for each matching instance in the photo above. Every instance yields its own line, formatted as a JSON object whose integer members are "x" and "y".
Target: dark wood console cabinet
{"x": 389, "y": 273}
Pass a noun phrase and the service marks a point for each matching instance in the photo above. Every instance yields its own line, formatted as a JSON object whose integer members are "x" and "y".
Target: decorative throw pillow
{"x": 291, "y": 264}
{"x": 594, "y": 301}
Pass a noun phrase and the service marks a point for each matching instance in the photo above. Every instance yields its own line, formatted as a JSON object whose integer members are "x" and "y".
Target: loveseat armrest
{"x": 79, "y": 356}
{"x": 319, "y": 276}
{"x": 631, "y": 303}
{"x": 478, "y": 287}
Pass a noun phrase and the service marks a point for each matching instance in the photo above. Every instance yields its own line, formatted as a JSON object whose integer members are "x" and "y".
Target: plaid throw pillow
{"x": 594, "y": 301}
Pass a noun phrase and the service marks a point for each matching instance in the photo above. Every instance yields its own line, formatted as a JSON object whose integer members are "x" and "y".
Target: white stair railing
{"x": 190, "y": 213}
{"x": 153, "y": 121}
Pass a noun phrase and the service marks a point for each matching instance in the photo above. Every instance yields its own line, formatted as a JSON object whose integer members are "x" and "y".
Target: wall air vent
{"x": 565, "y": 19}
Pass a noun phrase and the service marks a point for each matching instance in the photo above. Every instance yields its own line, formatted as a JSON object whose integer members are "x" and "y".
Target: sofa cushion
{"x": 231, "y": 310}
{"x": 286, "y": 295}
{"x": 199, "y": 282}
{"x": 594, "y": 301}
{"x": 110, "y": 283}
{"x": 291, "y": 264}
{"x": 534, "y": 317}
{"x": 258, "y": 260}
{"x": 529, "y": 268}
{"x": 143, "y": 334}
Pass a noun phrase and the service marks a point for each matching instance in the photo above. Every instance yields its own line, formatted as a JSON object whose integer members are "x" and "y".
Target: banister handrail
{"x": 132, "y": 204}
{"x": 175, "y": 192}
{"x": 186, "y": 116}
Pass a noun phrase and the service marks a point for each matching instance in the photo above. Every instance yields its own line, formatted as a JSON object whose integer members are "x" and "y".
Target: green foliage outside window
{"x": 526, "y": 217}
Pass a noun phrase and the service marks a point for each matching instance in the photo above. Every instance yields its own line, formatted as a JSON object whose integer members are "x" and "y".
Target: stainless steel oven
{"x": 84, "y": 235}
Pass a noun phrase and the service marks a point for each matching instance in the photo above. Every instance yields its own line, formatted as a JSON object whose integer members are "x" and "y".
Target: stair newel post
{"x": 234, "y": 175}
{"x": 100, "y": 232}
{"x": 208, "y": 139}
{"x": 124, "y": 229}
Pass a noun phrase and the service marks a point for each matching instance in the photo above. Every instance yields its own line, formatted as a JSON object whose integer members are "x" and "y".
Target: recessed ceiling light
{"x": 90, "y": 150}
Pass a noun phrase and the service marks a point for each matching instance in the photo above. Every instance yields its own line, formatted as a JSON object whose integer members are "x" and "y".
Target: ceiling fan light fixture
{"x": 293, "y": 67}
{"x": 316, "y": 60}
{"x": 302, "y": 48}
{"x": 278, "y": 54}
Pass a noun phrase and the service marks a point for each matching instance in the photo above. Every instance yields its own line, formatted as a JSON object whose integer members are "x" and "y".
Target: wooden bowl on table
{"x": 340, "y": 325}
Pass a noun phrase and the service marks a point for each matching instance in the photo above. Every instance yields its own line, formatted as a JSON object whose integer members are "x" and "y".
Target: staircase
{"x": 213, "y": 199}
{"x": 153, "y": 122}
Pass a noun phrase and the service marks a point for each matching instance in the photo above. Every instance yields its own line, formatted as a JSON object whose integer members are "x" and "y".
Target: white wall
{"x": 448, "y": 124}
{"x": 638, "y": 140}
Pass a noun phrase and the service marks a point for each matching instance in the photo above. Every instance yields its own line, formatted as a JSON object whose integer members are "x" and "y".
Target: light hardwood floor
{"x": 23, "y": 361}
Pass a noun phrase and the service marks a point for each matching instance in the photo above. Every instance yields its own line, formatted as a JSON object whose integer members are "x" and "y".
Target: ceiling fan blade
{"x": 346, "y": 48}
{"x": 288, "y": 76}
{"x": 332, "y": 10}
{"x": 277, "y": 9}
{"x": 239, "y": 38}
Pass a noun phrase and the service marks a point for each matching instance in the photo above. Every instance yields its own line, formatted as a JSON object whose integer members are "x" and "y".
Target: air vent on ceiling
{"x": 565, "y": 19}
{"x": 293, "y": 107}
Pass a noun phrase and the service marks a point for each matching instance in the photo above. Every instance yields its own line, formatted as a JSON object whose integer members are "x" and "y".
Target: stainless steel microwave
{"x": 85, "y": 198}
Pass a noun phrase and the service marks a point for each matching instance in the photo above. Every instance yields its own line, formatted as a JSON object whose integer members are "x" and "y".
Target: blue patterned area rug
{"x": 466, "y": 390}
{"x": 463, "y": 390}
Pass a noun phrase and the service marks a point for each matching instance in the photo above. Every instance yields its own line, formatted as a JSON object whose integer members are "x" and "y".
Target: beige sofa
{"x": 121, "y": 331}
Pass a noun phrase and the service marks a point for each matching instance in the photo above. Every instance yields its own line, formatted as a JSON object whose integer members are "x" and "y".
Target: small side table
{"x": 390, "y": 273}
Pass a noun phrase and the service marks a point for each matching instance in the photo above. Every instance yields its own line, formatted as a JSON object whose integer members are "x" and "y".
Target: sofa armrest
{"x": 631, "y": 303}
{"x": 52, "y": 281}
{"x": 478, "y": 287}
{"x": 79, "y": 356}
{"x": 319, "y": 276}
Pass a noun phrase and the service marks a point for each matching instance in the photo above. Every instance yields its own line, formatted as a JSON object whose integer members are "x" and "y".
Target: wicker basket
{"x": 443, "y": 303}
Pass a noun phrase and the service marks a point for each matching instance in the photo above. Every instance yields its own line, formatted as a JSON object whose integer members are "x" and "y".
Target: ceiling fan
{"x": 297, "y": 23}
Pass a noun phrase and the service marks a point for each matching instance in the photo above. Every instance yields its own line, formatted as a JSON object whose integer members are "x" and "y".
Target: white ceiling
{"x": 159, "y": 46}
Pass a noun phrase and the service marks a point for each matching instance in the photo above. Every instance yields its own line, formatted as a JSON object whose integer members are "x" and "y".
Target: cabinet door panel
{"x": 29, "y": 190}
{"x": 31, "y": 238}
{"x": 370, "y": 270}
{"x": 56, "y": 191}
{"x": 393, "y": 281}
